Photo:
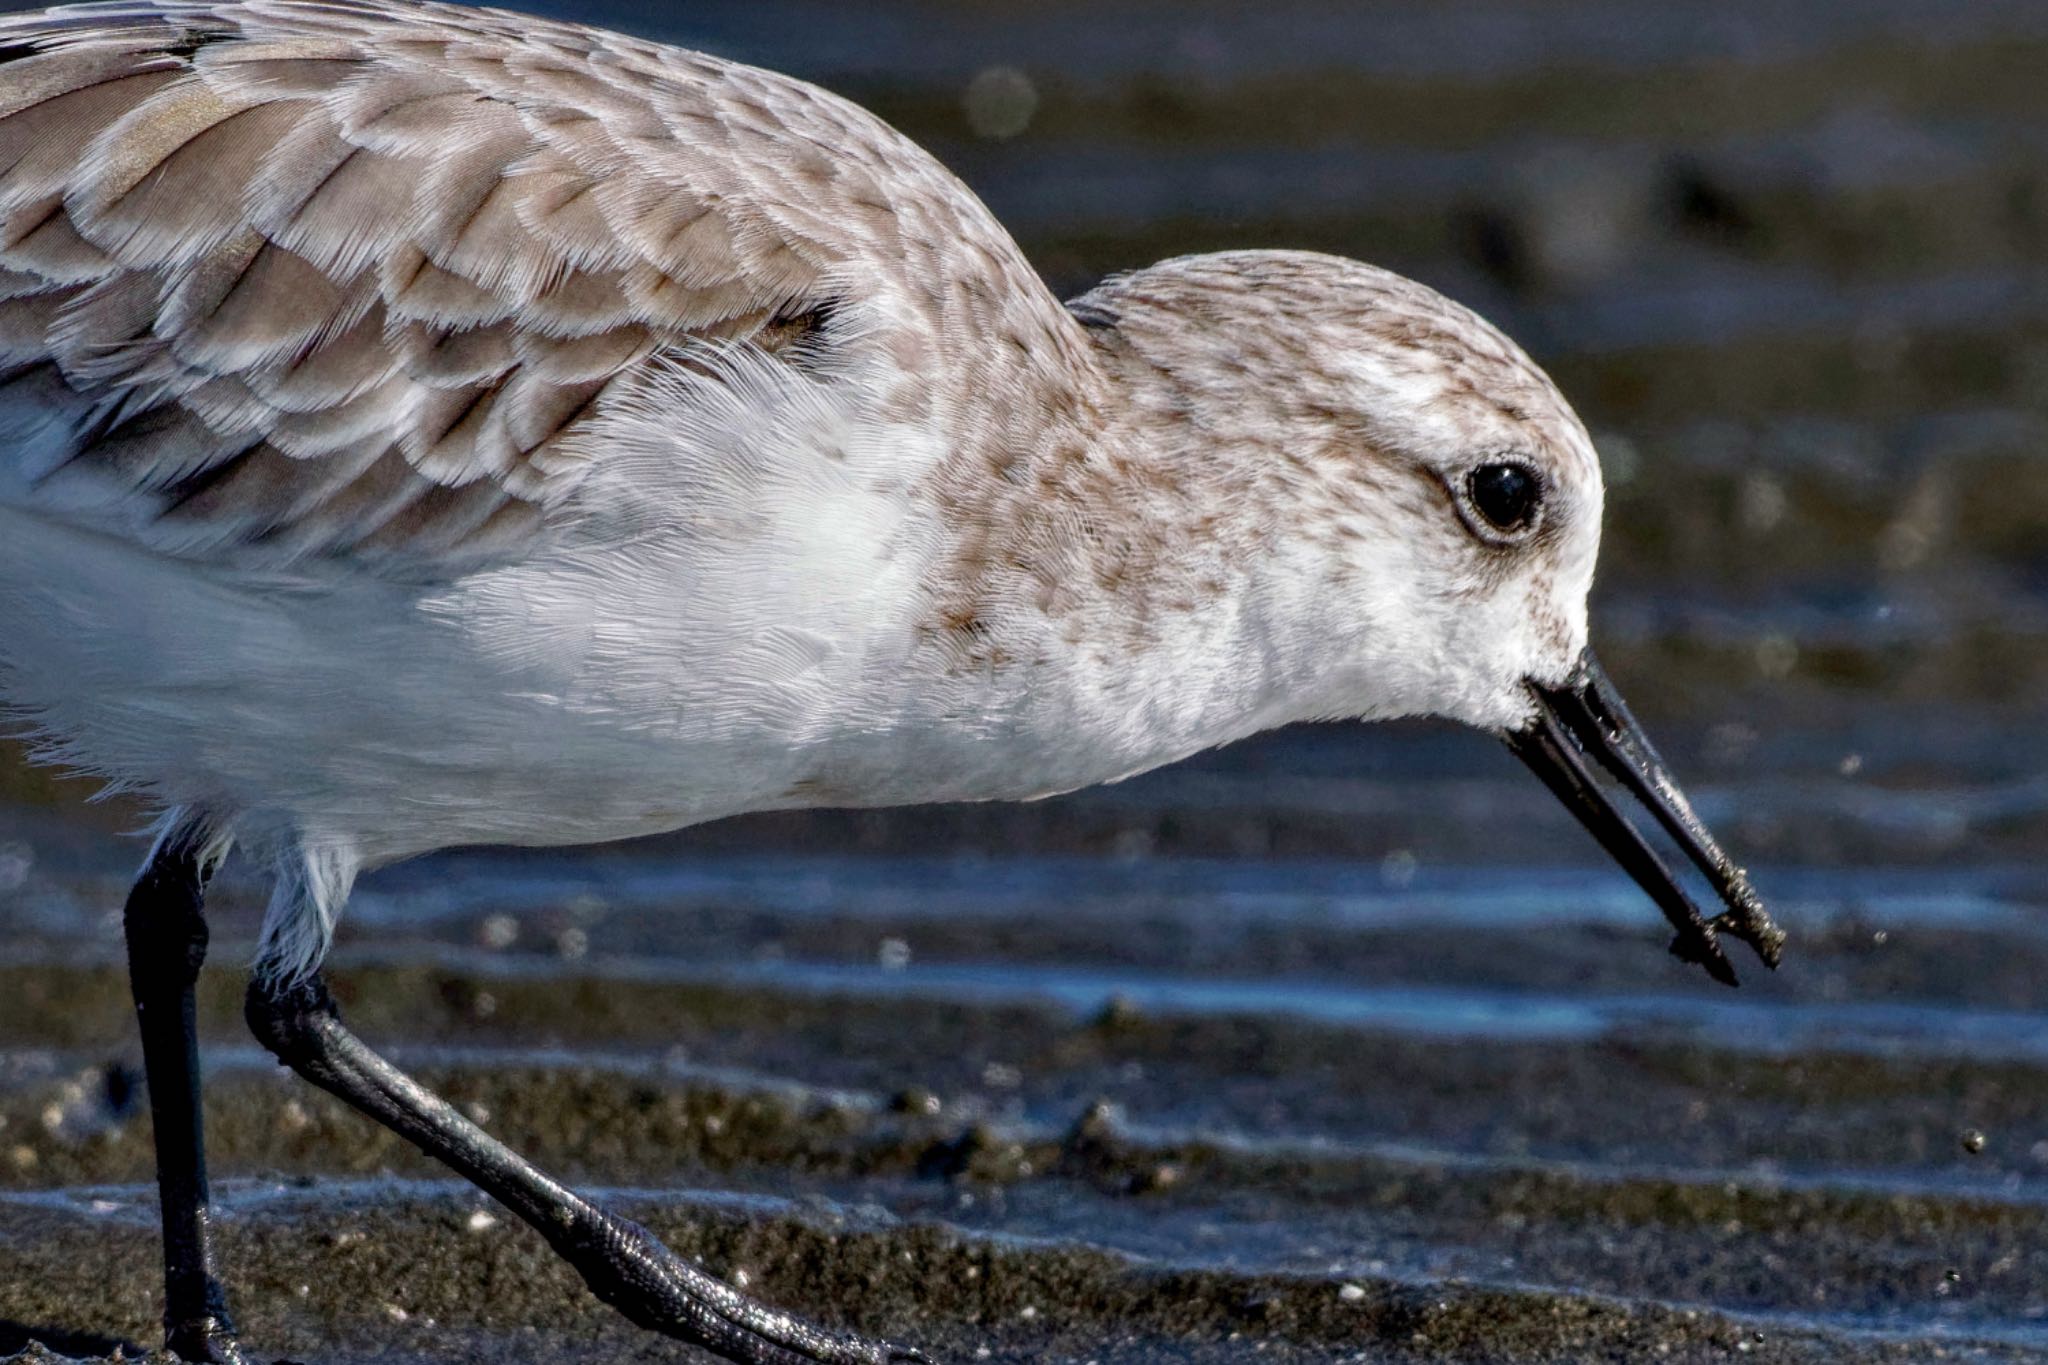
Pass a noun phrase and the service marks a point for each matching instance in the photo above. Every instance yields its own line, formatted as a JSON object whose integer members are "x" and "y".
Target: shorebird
{"x": 425, "y": 426}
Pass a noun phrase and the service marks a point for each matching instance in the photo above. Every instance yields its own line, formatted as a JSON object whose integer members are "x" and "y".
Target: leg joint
{"x": 294, "y": 1022}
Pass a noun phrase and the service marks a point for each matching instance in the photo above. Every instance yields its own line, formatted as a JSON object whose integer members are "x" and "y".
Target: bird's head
{"x": 1439, "y": 504}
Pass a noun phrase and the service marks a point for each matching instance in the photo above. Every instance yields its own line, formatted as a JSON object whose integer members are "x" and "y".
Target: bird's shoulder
{"x": 342, "y": 278}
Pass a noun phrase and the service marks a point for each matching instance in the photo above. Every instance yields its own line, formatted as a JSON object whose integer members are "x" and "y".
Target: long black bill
{"x": 1585, "y": 718}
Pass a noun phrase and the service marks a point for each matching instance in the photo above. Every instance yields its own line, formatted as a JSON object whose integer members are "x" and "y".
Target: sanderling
{"x": 426, "y": 426}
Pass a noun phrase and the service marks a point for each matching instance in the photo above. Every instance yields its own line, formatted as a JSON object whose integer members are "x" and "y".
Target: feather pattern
{"x": 298, "y": 280}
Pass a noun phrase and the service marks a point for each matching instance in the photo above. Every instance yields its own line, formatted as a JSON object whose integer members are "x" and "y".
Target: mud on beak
{"x": 1585, "y": 718}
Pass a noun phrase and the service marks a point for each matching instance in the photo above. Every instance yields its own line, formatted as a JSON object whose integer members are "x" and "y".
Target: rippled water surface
{"x": 1342, "y": 1044}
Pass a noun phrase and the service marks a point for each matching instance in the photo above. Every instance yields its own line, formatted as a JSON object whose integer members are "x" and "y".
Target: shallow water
{"x": 1342, "y": 1044}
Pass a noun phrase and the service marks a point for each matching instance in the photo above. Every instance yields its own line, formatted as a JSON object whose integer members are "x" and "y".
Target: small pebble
{"x": 916, "y": 1100}
{"x": 1164, "y": 1176}
{"x": 1973, "y": 1141}
{"x": 1119, "y": 1012}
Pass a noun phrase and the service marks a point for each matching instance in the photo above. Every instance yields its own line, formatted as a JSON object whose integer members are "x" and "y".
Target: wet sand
{"x": 931, "y": 1214}
{"x": 990, "y": 1169}
{"x": 394, "y": 1272}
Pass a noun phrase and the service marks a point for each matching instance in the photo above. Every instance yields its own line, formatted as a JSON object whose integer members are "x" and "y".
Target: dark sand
{"x": 958, "y": 1184}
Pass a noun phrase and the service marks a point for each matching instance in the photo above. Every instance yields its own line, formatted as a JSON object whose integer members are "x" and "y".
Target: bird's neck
{"x": 1118, "y": 570}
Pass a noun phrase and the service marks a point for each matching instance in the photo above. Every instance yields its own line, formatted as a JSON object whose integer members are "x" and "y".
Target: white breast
{"x": 727, "y": 620}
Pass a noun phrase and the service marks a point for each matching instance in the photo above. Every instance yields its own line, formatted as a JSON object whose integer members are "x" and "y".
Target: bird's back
{"x": 341, "y": 278}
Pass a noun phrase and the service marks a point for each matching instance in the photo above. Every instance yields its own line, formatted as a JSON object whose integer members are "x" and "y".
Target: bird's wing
{"x": 336, "y": 278}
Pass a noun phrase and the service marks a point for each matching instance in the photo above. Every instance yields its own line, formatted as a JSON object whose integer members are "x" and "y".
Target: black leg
{"x": 165, "y": 921}
{"x": 620, "y": 1260}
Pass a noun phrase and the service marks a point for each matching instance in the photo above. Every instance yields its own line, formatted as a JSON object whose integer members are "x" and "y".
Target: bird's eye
{"x": 1506, "y": 495}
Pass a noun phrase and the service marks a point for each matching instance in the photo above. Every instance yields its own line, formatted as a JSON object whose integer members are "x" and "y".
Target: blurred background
{"x": 1343, "y": 1043}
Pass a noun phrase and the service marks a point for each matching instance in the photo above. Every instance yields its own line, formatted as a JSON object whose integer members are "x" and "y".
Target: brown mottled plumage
{"x": 341, "y": 277}
{"x": 425, "y": 426}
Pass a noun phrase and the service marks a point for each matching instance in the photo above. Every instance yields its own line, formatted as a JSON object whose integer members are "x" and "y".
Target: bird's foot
{"x": 203, "y": 1341}
{"x": 632, "y": 1270}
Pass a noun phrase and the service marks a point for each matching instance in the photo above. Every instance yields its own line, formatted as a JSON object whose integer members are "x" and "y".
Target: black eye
{"x": 1505, "y": 494}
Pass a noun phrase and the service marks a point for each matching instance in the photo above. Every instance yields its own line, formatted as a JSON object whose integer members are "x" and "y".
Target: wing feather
{"x": 340, "y": 278}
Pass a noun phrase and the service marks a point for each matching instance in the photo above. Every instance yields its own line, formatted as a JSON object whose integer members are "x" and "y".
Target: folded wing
{"x": 318, "y": 278}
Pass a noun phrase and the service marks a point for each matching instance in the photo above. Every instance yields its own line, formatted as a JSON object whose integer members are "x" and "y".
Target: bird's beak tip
{"x": 1585, "y": 718}
{"x": 1753, "y": 924}
{"x": 1706, "y": 951}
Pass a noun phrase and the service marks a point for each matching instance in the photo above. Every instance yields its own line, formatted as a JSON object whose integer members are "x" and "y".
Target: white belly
{"x": 552, "y": 702}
